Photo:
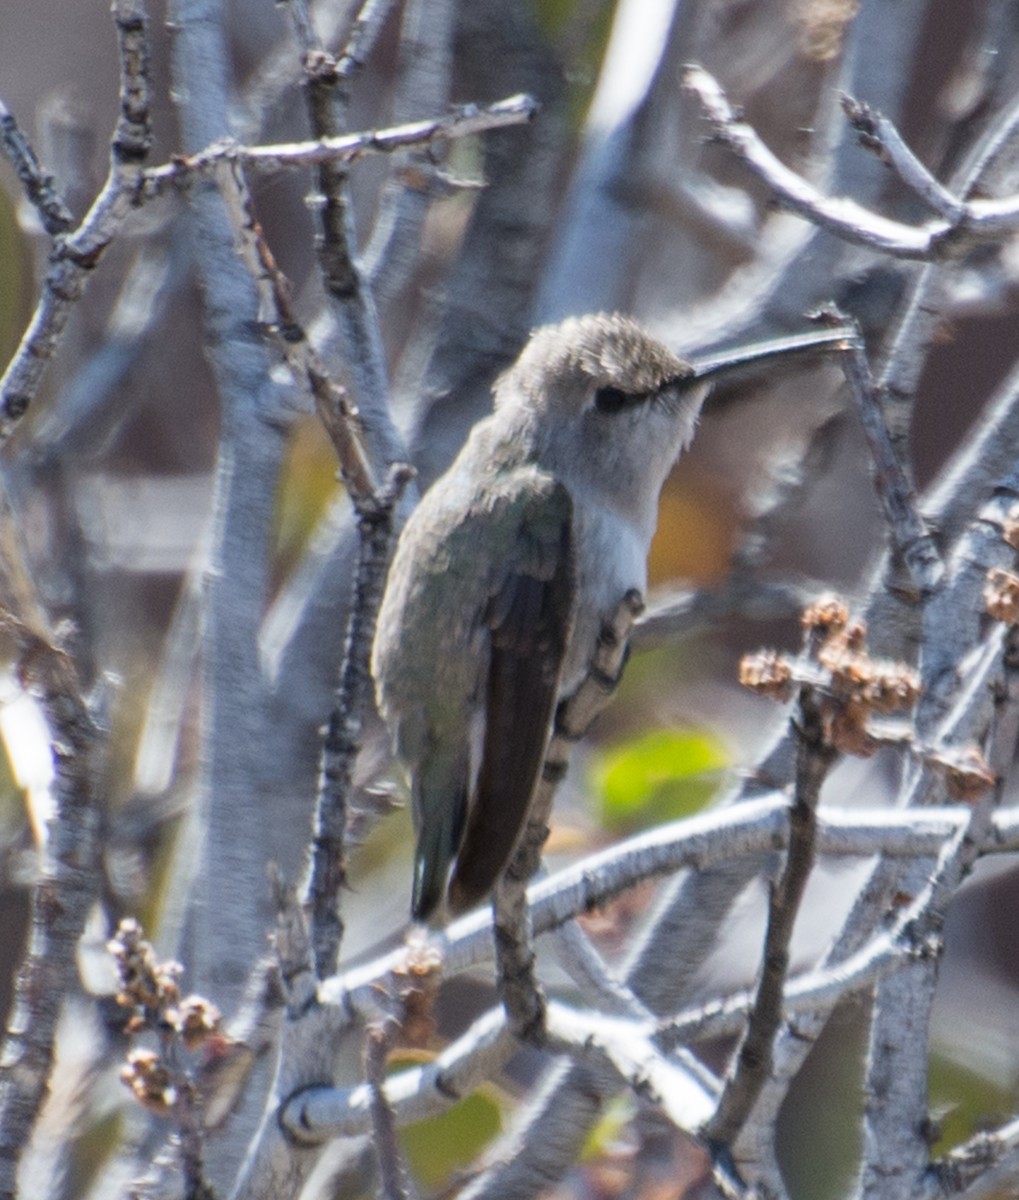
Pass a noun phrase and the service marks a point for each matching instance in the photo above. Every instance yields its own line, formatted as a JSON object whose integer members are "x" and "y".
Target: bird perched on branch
{"x": 504, "y": 575}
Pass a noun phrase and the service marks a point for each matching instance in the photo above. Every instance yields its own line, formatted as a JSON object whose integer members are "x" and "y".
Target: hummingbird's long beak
{"x": 709, "y": 366}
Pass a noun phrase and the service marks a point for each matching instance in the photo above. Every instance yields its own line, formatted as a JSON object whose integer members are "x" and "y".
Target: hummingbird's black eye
{"x": 612, "y": 399}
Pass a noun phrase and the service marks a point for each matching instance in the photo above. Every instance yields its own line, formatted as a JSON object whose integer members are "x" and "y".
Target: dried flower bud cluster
{"x": 768, "y": 673}
{"x": 1001, "y": 595}
{"x": 1010, "y": 528}
{"x": 151, "y": 1081}
{"x": 151, "y": 988}
{"x": 851, "y": 687}
{"x": 196, "y": 1020}
{"x": 1001, "y": 591}
{"x": 826, "y": 615}
{"x": 145, "y": 983}
{"x": 417, "y": 981}
{"x": 965, "y": 770}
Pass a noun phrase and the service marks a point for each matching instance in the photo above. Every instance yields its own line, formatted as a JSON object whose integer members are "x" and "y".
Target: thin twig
{"x": 924, "y": 304}
{"x": 81, "y": 416}
{"x": 277, "y": 308}
{"x": 392, "y": 1169}
{"x": 132, "y": 138}
{"x": 272, "y": 82}
{"x": 302, "y": 28}
{"x": 591, "y": 974}
{"x": 465, "y": 120}
{"x": 912, "y": 538}
{"x": 350, "y": 299}
{"x": 75, "y": 254}
{"x": 877, "y": 133}
{"x": 913, "y": 936}
{"x": 752, "y": 1062}
{"x": 343, "y": 736}
{"x": 39, "y": 186}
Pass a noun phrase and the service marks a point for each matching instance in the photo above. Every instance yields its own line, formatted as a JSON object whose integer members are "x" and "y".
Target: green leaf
{"x": 660, "y": 776}
{"x": 435, "y": 1148}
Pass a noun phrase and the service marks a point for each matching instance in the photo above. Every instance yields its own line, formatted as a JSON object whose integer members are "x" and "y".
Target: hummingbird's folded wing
{"x": 530, "y": 618}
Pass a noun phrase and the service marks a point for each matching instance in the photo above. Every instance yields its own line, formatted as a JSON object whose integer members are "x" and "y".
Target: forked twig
{"x": 968, "y": 223}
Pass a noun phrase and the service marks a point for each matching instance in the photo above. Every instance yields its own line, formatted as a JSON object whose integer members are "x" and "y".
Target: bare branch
{"x": 132, "y": 138}
{"x": 744, "y": 830}
{"x": 334, "y": 407}
{"x": 981, "y": 1164}
{"x": 464, "y": 121}
{"x": 911, "y": 537}
{"x": 678, "y": 1085}
{"x": 752, "y": 1061}
{"x": 76, "y": 254}
{"x": 343, "y": 736}
{"x": 351, "y": 301}
{"x": 40, "y": 188}
{"x": 68, "y": 883}
{"x": 363, "y": 35}
{"x": 877, "y": 133}
{"x": 973, "y": 221}
{"x": 392, "y": 1169}
{"x": 318, "y": 1113}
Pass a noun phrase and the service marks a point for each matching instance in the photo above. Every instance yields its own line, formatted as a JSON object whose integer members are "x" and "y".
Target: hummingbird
{"x": 504, "y": 575}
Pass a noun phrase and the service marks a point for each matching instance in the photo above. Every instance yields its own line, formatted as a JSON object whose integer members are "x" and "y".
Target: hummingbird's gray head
{"x": 583, "y": 360}
{"x": 607, "y": 407}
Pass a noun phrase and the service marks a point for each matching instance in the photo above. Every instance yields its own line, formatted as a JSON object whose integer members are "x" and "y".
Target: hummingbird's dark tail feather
{"x": 441, "y": 802}
{"x": 531, "y": 619}
{"x": 429, "y": 882}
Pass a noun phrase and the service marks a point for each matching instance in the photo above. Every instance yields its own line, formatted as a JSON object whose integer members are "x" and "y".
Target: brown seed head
{"x": 767, "y": 673}
{"x": 1001, "y": 595}
{"x": 826, "y": 614}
